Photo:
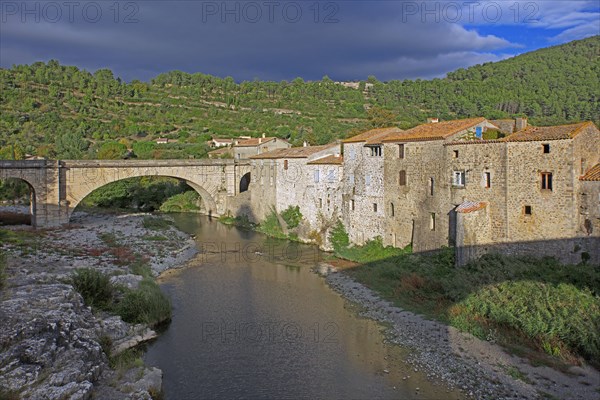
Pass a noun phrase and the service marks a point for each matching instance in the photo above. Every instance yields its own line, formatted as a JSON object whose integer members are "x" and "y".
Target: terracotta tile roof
{"x": 328, "y": 160}
{"x": 592, "y": 175}
{"x": 255, "y": 141}
{"x": 470, "y": 206}
{"x": 435, "y": 130}
{"x": 539, "y": 133}
{"x": 293, "y": 152}
{"x": 373, "y": 136}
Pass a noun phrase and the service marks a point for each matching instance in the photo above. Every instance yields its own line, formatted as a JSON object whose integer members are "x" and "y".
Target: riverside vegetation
{"x": 535, "y": 307}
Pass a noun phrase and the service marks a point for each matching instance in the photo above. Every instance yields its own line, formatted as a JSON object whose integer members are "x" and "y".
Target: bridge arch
{"x": 76, "y": 195}
{"x": 33, "y": 193}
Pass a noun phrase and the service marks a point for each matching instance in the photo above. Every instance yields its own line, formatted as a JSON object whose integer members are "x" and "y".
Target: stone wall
{"x": 363, "y": 208}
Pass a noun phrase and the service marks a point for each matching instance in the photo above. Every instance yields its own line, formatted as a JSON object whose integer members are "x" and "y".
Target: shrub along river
{"x": 251, "y": 320}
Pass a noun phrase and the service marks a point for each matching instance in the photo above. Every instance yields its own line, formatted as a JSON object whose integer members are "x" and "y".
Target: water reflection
{"x": 257, "y": 323}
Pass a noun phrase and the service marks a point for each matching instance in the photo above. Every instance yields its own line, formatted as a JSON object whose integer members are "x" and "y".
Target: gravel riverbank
{"x": 480, "y": 369}
{"x": 51, "y": 345}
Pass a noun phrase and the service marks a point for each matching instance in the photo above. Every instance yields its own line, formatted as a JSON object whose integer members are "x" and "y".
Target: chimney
{"x": 304, "y": 144}
{"x": 263, "y": 135}
{"x": 520, "y": 124}
{"x": 432, "y": 120}
{"x": 235, "y": 142}
{"x": 260, "y": 139}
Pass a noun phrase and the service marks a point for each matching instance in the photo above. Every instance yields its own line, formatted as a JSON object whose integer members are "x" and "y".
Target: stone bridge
{"x": 57, "y": 187}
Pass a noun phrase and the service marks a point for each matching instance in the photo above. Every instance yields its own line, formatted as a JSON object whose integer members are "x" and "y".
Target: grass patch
{"x": 126, "y": 360}
{"x": 156, "y": 224}
{"x": 372, "y": 250}
{"x": 94, "y": 287}
{"x": 147, "y": 305}
{"x": 520, "y": 302}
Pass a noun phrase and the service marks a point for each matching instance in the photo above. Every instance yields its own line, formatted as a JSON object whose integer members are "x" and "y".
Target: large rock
{"x": 49, "y": 342}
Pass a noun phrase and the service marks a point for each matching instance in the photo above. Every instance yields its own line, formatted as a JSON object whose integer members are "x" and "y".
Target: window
{"x": 374, "y": 207}
{"x": 455, "y": 153}
{"x": 432, "y": 221}
{"x": 402, "y": 178}
{"x": 352, "y": 205}
{"x": 376, "y": 151}
{"x": 368, "y": 180}
{"x": 331, "y": 175}
{"x": 285, "y": 164}
{"x": 527, "y": 210}
{"x": 546, "y": 148}
{"x": 479, "y": 132}
{"x": 317, "y": 175}
{"x": 320, "y": 203}
{"x": 401, "y": 151}
{"x": 328, "y": 204}
{"x": 458, "y": 178}
{"x": 487, "y": 179}
{"x": 392, "y": 213}
{"x": 431, "y": 182}
{"x": 546, "y": 181}
{"x": 351, "y": 179}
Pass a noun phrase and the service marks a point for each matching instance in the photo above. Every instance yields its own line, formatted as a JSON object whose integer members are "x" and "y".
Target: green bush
{"x": 372, "y": 250}
{"x": 95, "y": 287}
{"x": 147, "y": 304}
{"x": 292, "y": 216}
{"x": 270, "y": 226}
{"x": 339, "y": 237}
{"x": 535, "y": 302}
{"x": 182, "y": 202}
{"x": 555, "y": 317}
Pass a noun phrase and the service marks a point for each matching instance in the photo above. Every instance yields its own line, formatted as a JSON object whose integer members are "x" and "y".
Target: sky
{"x": 281, "y": 40}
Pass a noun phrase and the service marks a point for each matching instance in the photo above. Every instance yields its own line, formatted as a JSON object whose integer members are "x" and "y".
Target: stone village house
{"x": 535, "y": 191}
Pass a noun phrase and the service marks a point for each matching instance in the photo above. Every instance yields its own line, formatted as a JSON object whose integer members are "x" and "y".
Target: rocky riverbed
{"x": 52, "y": 346}
{"x": 480, "y": 369}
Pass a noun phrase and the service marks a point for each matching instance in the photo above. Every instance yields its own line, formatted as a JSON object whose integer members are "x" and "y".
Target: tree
{"x": 381, "y": 118}
{"x": 71, "y": 146}
{"x": 112, "y": 151}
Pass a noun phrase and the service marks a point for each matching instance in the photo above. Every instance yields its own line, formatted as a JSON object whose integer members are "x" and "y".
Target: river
{"x": 251, "y": 320}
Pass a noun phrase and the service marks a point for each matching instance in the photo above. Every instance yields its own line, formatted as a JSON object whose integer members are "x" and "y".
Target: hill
{"x": 57, "y": 111}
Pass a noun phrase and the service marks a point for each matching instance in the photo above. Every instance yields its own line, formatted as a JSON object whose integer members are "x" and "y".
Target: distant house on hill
{"x": 219, "y": 142}
{"x": 162, "y": 140}
{"x": 250, "y": 147}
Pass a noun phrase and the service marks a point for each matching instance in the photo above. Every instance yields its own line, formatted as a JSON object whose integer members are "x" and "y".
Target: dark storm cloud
{"x": 368, "y": 38}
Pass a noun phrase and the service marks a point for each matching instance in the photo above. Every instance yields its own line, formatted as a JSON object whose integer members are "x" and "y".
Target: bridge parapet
{"x": 59, "y": 185}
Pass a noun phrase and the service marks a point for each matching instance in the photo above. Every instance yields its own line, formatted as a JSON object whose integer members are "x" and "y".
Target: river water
{"x": 251, "y": 320}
